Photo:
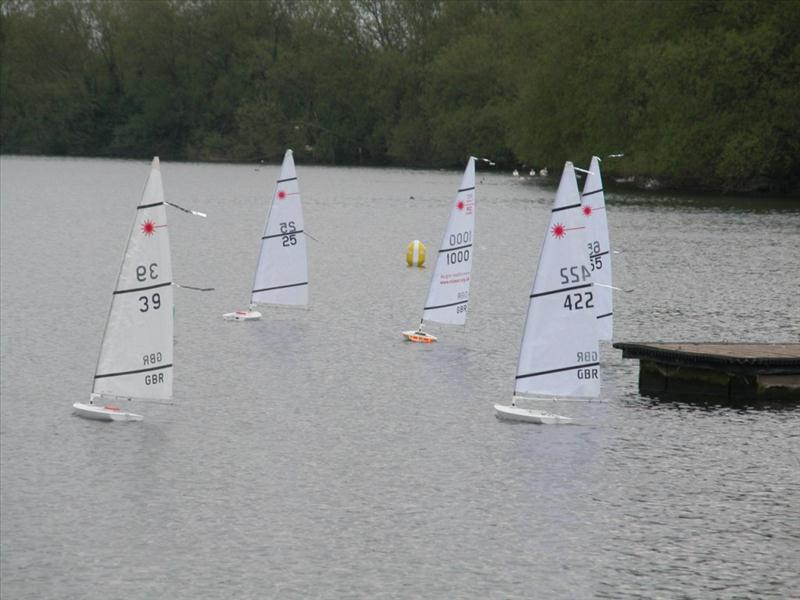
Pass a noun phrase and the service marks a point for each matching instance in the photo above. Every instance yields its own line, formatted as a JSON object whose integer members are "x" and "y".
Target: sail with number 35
{"x": 599, "y": 248}
{"x": 136, "y": 353}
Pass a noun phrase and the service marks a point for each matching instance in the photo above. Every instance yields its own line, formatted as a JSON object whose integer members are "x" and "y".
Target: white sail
{"x": 559, "y": 350}
{"x": 136, "y": 353}
{"x": 448, "y": 295}
{"x": 599, "y": 248}
{"x": 282, "y": 271}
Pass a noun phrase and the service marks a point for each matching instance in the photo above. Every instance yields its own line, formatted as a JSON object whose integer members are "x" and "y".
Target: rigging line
{"x": 191, "y": 287}
{"x": 629, "y": 290}
{"x": 196, "y": 213}
{"x": 583, "y": 170}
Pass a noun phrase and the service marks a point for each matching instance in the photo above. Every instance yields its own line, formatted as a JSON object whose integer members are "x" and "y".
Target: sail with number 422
{"x": 559, "y": 350}
{"x": 136, "y": 353}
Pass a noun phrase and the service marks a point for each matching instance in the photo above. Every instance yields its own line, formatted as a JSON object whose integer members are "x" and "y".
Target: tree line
{"x": 700, "y": 94}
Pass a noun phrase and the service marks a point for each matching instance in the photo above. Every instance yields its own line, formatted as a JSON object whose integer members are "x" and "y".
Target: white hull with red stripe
{"x": 136, "y": 352}
{"x": 242, "y": 315}
{"x": 104, "y": 413}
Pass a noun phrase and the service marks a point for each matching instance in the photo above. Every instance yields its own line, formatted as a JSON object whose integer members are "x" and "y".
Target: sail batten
{"x": 280, "y": 287}
{"x": 558, "y": 370}
{"x": 101, "y": 375}
{"x": 274, "y": 235}
{"x": 571, "y": 206}
{"x": 445, "y": 305}
{"x": 559, "y": 290}
{"x": 455, "y": 248}
{"x": 143, "y": 288}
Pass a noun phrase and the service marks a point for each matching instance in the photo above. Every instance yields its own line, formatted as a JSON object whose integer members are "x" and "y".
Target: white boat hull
{"x": 104, "y": 413}
{"x": 419, "y": 336}
{"x": 242, "y": 315}
{"x": 516, "y": 413}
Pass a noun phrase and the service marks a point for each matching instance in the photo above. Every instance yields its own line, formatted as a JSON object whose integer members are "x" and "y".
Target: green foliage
{"x": 46, "y": 80}
{"x": 699, "y": 93}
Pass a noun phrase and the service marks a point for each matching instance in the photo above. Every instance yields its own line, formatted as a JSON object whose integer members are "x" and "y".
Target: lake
{"x": 315, "y": 454}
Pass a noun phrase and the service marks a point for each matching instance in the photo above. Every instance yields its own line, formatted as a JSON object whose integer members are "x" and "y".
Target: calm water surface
{"x": 313, "y": 454}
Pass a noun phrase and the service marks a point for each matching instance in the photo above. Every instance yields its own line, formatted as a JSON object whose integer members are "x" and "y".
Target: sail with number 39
{"x": 136, "y": 353}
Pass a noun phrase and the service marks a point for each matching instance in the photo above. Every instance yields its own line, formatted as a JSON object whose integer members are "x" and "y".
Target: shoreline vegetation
{"x": 699, "y": 95}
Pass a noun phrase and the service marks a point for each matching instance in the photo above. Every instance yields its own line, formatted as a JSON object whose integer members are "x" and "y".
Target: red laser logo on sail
{"x": 587, "y": 210}
{"x": 281, "y": 195}
{"x": 460, "y": 205}
{"x": 558, "y": 230}
{"x": 148, "y": 228}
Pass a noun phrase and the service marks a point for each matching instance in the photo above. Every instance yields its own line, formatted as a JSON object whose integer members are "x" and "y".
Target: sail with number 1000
{"x": 136, "y": 353}
{"x": 558, "y": 355}
{"x": 448, "y": 295}
{"x": 282, "y": 272}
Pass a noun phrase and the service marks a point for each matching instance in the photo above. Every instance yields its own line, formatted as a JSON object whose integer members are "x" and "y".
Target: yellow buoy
{"x": 415, "y": 254}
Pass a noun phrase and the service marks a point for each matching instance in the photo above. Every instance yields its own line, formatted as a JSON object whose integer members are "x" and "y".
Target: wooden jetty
{"x": 734, "y": 374}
